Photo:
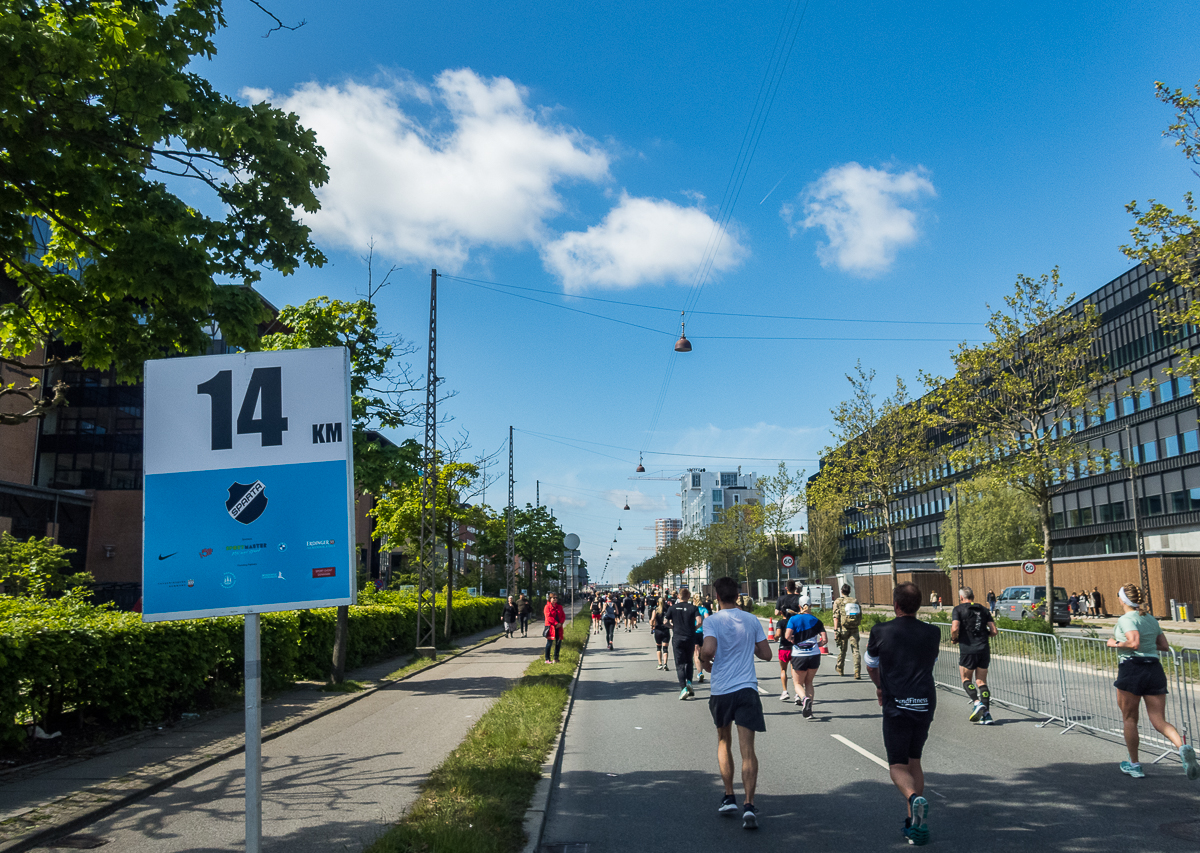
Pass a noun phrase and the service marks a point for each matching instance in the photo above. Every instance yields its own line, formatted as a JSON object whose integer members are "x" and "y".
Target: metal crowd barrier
{"x": 1070, "y": 680}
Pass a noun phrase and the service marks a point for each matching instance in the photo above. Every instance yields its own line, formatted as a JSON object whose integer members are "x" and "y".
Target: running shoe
{"x": 728, "y": 805}
{"x": 977, "y": 712}
{"x": 685, "y": 693}
{"x": 700, "y": 680}
{"x": 610, "y": 647}
{"x": 807, "y": 710}
{"x": 799, "y": 701}
{"x": 784, "y": 697}
{"x": 918, "y": 836}
{"x": 987, "y": 719}
{"x": 920, "y": 810}
{"x": 689, "y": 690}
{"x": 1190, "y": 767}
{"x": 749, "y": 817}
{"x": 1134, "y": 770}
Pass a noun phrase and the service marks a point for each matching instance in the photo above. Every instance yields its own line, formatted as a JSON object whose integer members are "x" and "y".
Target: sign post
{"x": 253, "y": 514}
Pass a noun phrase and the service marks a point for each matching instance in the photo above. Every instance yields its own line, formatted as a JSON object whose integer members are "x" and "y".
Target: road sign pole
{"x": 253, "y": 693}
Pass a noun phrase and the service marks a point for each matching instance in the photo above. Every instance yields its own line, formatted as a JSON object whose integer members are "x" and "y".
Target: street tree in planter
{"x": 783, "y": 500}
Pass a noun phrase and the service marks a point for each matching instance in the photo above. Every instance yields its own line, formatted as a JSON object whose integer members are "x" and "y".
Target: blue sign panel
{"x": 252, "y": 514}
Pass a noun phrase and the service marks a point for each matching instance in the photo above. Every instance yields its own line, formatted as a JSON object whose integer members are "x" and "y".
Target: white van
{"x": 820, "y": 597}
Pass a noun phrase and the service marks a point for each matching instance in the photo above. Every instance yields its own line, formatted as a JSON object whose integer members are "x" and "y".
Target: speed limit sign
{"x": 1029, "y": 567}
{"x": 787, "y": 561}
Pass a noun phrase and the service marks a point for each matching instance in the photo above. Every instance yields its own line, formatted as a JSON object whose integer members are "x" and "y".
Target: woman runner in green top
{"x": 1140, "y": 677}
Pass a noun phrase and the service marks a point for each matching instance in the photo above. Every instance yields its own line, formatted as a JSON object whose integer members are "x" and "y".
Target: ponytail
{"x": 1134, "y": 594}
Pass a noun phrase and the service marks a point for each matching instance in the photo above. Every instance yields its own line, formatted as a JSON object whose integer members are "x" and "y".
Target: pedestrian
{"x": 683, "y": 615}
{"x": 1098, "y": 600}
{"x": 991, "y": 600}
{"x": 972, "y": 627}
{"x": 524, "y": 610}
{"x": 933, "y": 599}
{"x": 595, "y": 615}
{"x": 733, "y": 638}
{"x": 1138, "y": 639}
{"x": 509, "y": 616}
{"x": 785, "y": 654}
{"x": 900, "y": 658}
{"x": 847, "y": 617}
{"x": 702, "y": 612}
{"x": 660, "y": 626}
{"x": 555, "y": 618}
{"x": 807, "y": 635}
{"x": 610, "y": 616}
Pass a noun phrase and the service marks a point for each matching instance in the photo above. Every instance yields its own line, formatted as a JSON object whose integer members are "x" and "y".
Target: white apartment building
{"x": 704, "y": 495}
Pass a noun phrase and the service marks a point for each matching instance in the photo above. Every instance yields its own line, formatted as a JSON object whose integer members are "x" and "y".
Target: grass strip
{"x": 475, "y": 800}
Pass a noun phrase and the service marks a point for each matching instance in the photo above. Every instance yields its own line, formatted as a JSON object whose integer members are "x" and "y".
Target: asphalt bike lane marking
{"x": 865, "y": 754}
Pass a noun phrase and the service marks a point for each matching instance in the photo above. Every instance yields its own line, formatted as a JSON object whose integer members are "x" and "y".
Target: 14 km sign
{"x": 249, "y": 484}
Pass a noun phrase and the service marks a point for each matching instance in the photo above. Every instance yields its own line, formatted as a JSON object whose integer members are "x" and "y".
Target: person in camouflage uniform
{"x": 847, "y": 616}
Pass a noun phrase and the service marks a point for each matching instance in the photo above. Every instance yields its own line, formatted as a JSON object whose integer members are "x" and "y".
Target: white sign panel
{"x": 249, "y": 484}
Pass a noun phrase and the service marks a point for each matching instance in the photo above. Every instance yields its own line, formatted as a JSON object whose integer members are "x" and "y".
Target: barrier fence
{"x": 1070, "y": 680}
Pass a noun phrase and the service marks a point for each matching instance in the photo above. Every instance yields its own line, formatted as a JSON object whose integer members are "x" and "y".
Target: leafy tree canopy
{"x": 34, "y": 568}
{"x": 99, "y": 112}
{"x": 998, "y": 523}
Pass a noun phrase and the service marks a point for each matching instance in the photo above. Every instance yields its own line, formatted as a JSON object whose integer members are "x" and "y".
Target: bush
{"x": 60, "y": 655}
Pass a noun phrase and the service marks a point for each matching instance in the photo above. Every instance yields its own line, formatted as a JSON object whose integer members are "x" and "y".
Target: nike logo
{"x": 172, "y": 554}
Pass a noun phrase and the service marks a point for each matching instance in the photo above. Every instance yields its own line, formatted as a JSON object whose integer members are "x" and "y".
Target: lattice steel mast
{"x": 510, "y": 548}
{"x": 426, "y": 632}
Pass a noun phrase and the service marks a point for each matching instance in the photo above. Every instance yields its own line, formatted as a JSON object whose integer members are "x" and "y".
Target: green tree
{"x": 783, "y": 500}
{"x": 822, "y": 552}
{"x": 538, "y": 539}
{"x": 997, "y": 524}
{"x": 377, "y": 387}
{"x": 35, "y": 568}
{"x": 1170, "y": 241}
{"x": 882, "y": 447}
{"x": 736, "y": 538}
{"x": 101, "y": 107}
{"x": 1017, "y": 398}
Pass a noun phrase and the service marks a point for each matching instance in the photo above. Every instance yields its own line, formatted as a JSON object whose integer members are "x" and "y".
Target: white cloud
{"x": 640, "y": 241}
{"x": 565, "y": 500}
{"x": 482, "y": 171}
{"x": 861, "y": 212}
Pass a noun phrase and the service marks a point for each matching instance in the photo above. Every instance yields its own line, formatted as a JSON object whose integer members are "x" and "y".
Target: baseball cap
{"x": 804, "y": 602}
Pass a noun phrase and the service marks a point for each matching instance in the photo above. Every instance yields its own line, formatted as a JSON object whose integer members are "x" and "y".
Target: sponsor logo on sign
{"x": 191, "y": 582}
{"x": 282, "y": 546}
{"x": 254, "y": 546}
{"x": 229, "y": 580}
{"x": 246, "y": 503}
{"x": 205, "y": 552}
{"x": 321, "y": 543}
{"x": 325, "y": 572}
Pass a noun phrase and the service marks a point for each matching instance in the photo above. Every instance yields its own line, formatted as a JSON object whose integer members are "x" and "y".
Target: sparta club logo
{"x": 246, "y": 503}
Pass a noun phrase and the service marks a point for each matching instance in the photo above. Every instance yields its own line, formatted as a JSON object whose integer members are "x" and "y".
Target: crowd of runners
{"x": 721, "y": 638}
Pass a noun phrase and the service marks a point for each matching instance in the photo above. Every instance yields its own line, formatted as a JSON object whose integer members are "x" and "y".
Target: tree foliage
{"x": 35, "y": 568}
{"x": 783, "y": 500}
{"x": 1018, "y": 397}
{"x": 881, "y": 444}
{"x": 1170, "y": 241}
{"x": 996, "y": 523}
{"x": 100, "y": 112}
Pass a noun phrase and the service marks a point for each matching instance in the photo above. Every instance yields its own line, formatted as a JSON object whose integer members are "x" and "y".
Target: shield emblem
{"x": 246, "y": 503}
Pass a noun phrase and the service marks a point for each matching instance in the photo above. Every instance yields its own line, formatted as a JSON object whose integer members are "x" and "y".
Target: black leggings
{"x": 557, "y": 645}
{"x": 609, "y": 627}
{"x": 683, "y": 661}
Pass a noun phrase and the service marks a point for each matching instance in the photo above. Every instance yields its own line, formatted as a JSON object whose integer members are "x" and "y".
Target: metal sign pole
{"x": 253, "y": 736}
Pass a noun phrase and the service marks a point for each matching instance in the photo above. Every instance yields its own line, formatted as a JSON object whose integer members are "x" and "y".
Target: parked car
{"x": 1029, "y": 602}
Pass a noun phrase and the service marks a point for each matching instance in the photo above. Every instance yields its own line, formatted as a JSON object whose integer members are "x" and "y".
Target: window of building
{"x": 718, "y": 496}
{"x": 1166, "y": 391}
{"x": 1152, "y": 505}
{"x": 1185, "y": 385}
{"x": 1145, "y": 400}
{"x": 1110, "y": 411}
{"x": 1171, "y": 446}
{"x": 728, "y": 479}
{"x": 695, "y": 481}
{"x": 1190, "y": 443}
{"x": 1128, "y": 405}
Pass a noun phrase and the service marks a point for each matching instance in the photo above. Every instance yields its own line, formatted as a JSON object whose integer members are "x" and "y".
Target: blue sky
{"x": 915, "y": 159}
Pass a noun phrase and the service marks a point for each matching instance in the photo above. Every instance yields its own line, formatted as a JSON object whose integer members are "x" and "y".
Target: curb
{"x": 134, "y": 792}
{"x": 535, "y": 816}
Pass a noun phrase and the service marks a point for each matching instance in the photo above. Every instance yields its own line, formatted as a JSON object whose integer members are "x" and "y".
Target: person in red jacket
{"x": 555, "y": 619}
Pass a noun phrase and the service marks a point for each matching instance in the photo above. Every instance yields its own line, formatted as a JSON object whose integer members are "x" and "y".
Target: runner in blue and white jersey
{"x": 806, "y": 633}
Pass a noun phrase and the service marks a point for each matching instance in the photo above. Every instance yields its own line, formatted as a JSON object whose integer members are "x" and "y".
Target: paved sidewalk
{"x": 337, "y": 781}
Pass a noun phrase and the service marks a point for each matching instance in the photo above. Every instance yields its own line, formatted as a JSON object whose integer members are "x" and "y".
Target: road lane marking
{"x": 865, "y": 754}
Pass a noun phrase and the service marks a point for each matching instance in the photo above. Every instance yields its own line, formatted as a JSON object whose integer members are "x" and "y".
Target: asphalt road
{"x": 639, "y": 772}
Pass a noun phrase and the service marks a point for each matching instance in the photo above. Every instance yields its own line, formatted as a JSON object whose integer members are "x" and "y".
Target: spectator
{"x": 555, "y": 619}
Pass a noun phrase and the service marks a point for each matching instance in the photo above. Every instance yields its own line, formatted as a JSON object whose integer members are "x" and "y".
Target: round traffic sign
{"x": 787, "y": 561}
{"x": 571, "y": 541}
{"x": 1029, "y": 567}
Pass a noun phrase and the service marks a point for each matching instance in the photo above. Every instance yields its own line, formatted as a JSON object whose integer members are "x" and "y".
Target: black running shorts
{"x": 975, "y": 660}
{"x": 662, "y": 638}
{"x": 803, "y": 662}
{"x": 904, "y": 737}
{"x": 742, "y": 707}
{"x": 1141, "y": 677}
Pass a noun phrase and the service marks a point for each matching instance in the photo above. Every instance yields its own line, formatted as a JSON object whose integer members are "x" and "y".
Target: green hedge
{"x": 67, "y": 655}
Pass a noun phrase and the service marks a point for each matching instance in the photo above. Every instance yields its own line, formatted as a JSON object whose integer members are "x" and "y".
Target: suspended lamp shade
{"x": 627, "y": 502}
{"x": 683, "y": 344}
{"x": 641, "y": 469}
{"x": 618, "y": 525}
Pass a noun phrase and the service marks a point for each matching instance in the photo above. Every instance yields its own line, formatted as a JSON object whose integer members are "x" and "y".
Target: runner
{"x": 972, "y": 627}
{"x": 555, "y": 618}
{"x": 733, "y": 638}
{"x": 788, "y": 604}
{"x": 627, "y": 606}
{"x": 660, "y": 626}
{"x": 703, "y": 609}
{"x": 1140, "y": 677}
{"x": 683, "y": 615}
{"x": 847, "y": 616}
{"x": 595, "y": 615}
{"x": 785, "y": 654}
{"x": 610, "y": 616}
{"x": 900, "y": 658}
{"x": 807, "y": 635}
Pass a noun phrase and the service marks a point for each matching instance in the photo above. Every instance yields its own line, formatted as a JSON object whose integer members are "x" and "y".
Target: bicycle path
{"x": 639, "y": 767}
{"x": 338, "y": 781}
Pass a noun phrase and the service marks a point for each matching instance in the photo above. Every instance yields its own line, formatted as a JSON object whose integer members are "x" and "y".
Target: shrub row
{"x": 66, "y": 655}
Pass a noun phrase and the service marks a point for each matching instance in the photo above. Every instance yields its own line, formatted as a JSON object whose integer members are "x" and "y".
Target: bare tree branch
{"x": 279, "y": 25}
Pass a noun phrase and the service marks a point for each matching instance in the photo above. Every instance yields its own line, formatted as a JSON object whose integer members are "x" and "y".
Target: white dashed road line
{"x": 865, "y": 754}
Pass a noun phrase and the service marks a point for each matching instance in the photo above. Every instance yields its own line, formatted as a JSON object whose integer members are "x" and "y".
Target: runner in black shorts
{"x": 660, "y": 626}
{"x": 684, "y": 617}
{"x": 900, "y": 658}
{"x": 972, "y": 627}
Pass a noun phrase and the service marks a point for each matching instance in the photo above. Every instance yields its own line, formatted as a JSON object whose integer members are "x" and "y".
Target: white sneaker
{"x": 784, "y": 697}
